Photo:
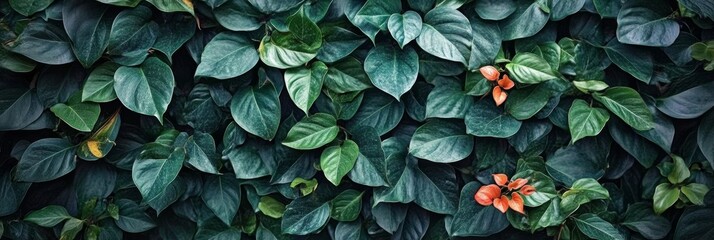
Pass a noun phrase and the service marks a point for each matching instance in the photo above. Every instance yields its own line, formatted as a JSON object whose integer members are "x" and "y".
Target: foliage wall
{"x": 352, "y": 119}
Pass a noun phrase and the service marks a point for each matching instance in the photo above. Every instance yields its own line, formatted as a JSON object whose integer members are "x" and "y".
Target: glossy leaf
{"x": 146, "y": 89}
{"x": 392, "y": 70}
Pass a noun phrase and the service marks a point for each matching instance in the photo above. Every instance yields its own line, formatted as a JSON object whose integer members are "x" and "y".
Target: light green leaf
{"x": 585, "y": 121}
{"x": 665, "y": 196}
{"x": 583, "y": 191}
{"x": 391, "y": 69}
{"x": 695, "y": 192}
{"x": 304, "y": 84}
{"x": 347, "y": 75}
{"x": 337, "y": 161}
{"x": 347, "y": 205}
{"x": 146, "y": 89}
{"x": 293, "y": 48}
{"x": 312, "y": 132}
{"x": 441, "y": 141}
{"x": 257, "y": 110}
{"x": 173, "y": 5}
{"x": 133, "y": 34}
{"x": 627, "y": 104}
{"x": 48, "y": 216}
{"x": 271, "y": 207}
{"x": 679, "y": 172}
{"x": 71, "y": 228}
{"x": 78, "y": 115}
{"x": 530, "y": 68}
{"x": 227, "y": 55}
{"x": 405, "y": 27}
{"x": 588, "y": 86}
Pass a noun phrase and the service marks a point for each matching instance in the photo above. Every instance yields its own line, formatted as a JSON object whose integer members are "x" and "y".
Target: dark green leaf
{"x": 405, "y": 27}
{"x": 46, "y": 159}
{"x": 222, "y": 195}
{"x": 227, "y": 55}
{"x": 88, "y": 25}
{"x": 646, "y": 23}
{"x": 486, "y": 120}
{"x": 346, "y": 206}
{"x": 441, "y": 141}
{"x": 48, "y": 216}
{"x": 490, "y": 220}
{"x": 146, "y": 89}
{"x": 446, "y": 33}
{"x": 157, "y": 167}
{"x": 392, "y": 70}
{"x": 257, "y": 110}
{"x": 597, "y": 228}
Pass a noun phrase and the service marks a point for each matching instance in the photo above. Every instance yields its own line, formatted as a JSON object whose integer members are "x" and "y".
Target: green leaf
{"x": 529, "y": 68}
{"x": 378, "y": 12}
{"x": 201, "y": 153}
{"x": 132, "y": 217}
{"x": 592, "y": 160}
{"x": 347, "y": 75}
{"x": 590, "y": 86}
{"x": 705, "y": 136}
{"x": 665, "y": 196}
{"x": 88, "y": 25}
{"x": 257, "y": 110}
{"x": 312, "y": 132}
{"x": 132, "y": 35}
{"x": 71, "y": 228}
{"x": 29, "y": 7}
{"x": 251, "y": 160}
{"x": 378, "y": 110}
{"x": 597, "y": 228}
{"x": 486, "y": 42}
{"x": 304, "y": 84}
{"x": 446, "y": 33}
{"x": 271, "y": 207}
{"x": 18, "y": 107}
{"x": 491, "y": 220}
{"x": 695, "y": 192}
{"x": 627, "y": 104}
{"x": 338, "y": 43}
{"x": 679, "y": 172}
{"x": 691, "y": 102}
{"x": 173, "y": 5}
{"x": 437, "y": 191}
{"x": 156, "y": 168}
{"x": 646, "y": 23}
{"x": 526, "y": 21}
{"x": 692, "y": 225}
{"x": 441, "y": 141}
{"x": 305, "y": 215}
{"x": 227, "y": 55}
{"x": 201, "y": 111}
{"x": 222, "y": 195}
{"x": 238, "y": 15}
{"x": 78, "y": 115}
{"x": 351, "y": 230}
{"x": 99, "y": 86}
{"x": 45, "y": 43}
{"x": 370, "y": 168}
{"x": 293, "y": 48}
{"x": 447, "y": 100}
{"x": 306, "y": 186}
{"x": 495, "y": 9}
{"x": 640, "y": 218}
{"x": 524, "y": 103}
{"x": 48, "y": 216}
{"x": 46, "y": 159}
{"x": 347, "y": 205}
{"x": 545, "y": 188}
{"x": 15, "y": 62}
{"x": 585, "y": 121}
{"x": 560, "y": 9}
{"x": 405, "y": 27}
{"x": 582, "y": 191}
{"x": 337, "y": 161}
{"x": 173, "y": 33}
{"x": 607, "y": 8}
{"x": 637, "y": 61}
{"x": 486, "y": 120}
{"x": 392, "y": 70}
{"x": 146, "y": 89}
{"x": 703, "y": 8}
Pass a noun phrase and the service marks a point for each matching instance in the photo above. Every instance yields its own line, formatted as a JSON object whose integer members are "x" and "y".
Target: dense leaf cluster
{"x": 354, "y": 119}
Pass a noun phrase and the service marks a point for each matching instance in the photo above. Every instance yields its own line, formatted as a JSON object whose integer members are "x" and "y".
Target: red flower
{"x": 491, "y": 194}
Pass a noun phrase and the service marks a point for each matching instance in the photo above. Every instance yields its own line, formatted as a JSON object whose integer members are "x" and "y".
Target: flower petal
{"x": 499, "y": 96}
{"x": 489, "y": 72}
{"x": 516, "y": 184}
{"x": 516, "y": 203}
{"x": 501, "y": 204}
{"x": 500, "y": 179}
{"x": 527, "y": 190}
{"x": 506, "y": 82}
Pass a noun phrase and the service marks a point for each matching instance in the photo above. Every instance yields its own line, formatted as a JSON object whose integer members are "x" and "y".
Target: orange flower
{"x": 516, "y": 202}
{"x": 516, "y": 184}
{"x": 489, "y": 72}
{"x": 501, "y": 204}
{"x": 527, "y": 190}
{"x": 500, "y": 179}
{"x": 486, "y": 194}
{"x": 506, "y": 82}
{"x": 499, "y": 96}
{"x": 492, "y": 193}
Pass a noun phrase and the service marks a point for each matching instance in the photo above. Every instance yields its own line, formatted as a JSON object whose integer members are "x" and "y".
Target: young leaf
{"x": 337, "y": 161}
{"x": 585, "y": 121}
{"x": 48, "y": 216}
{"x": 304, "y": 84}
